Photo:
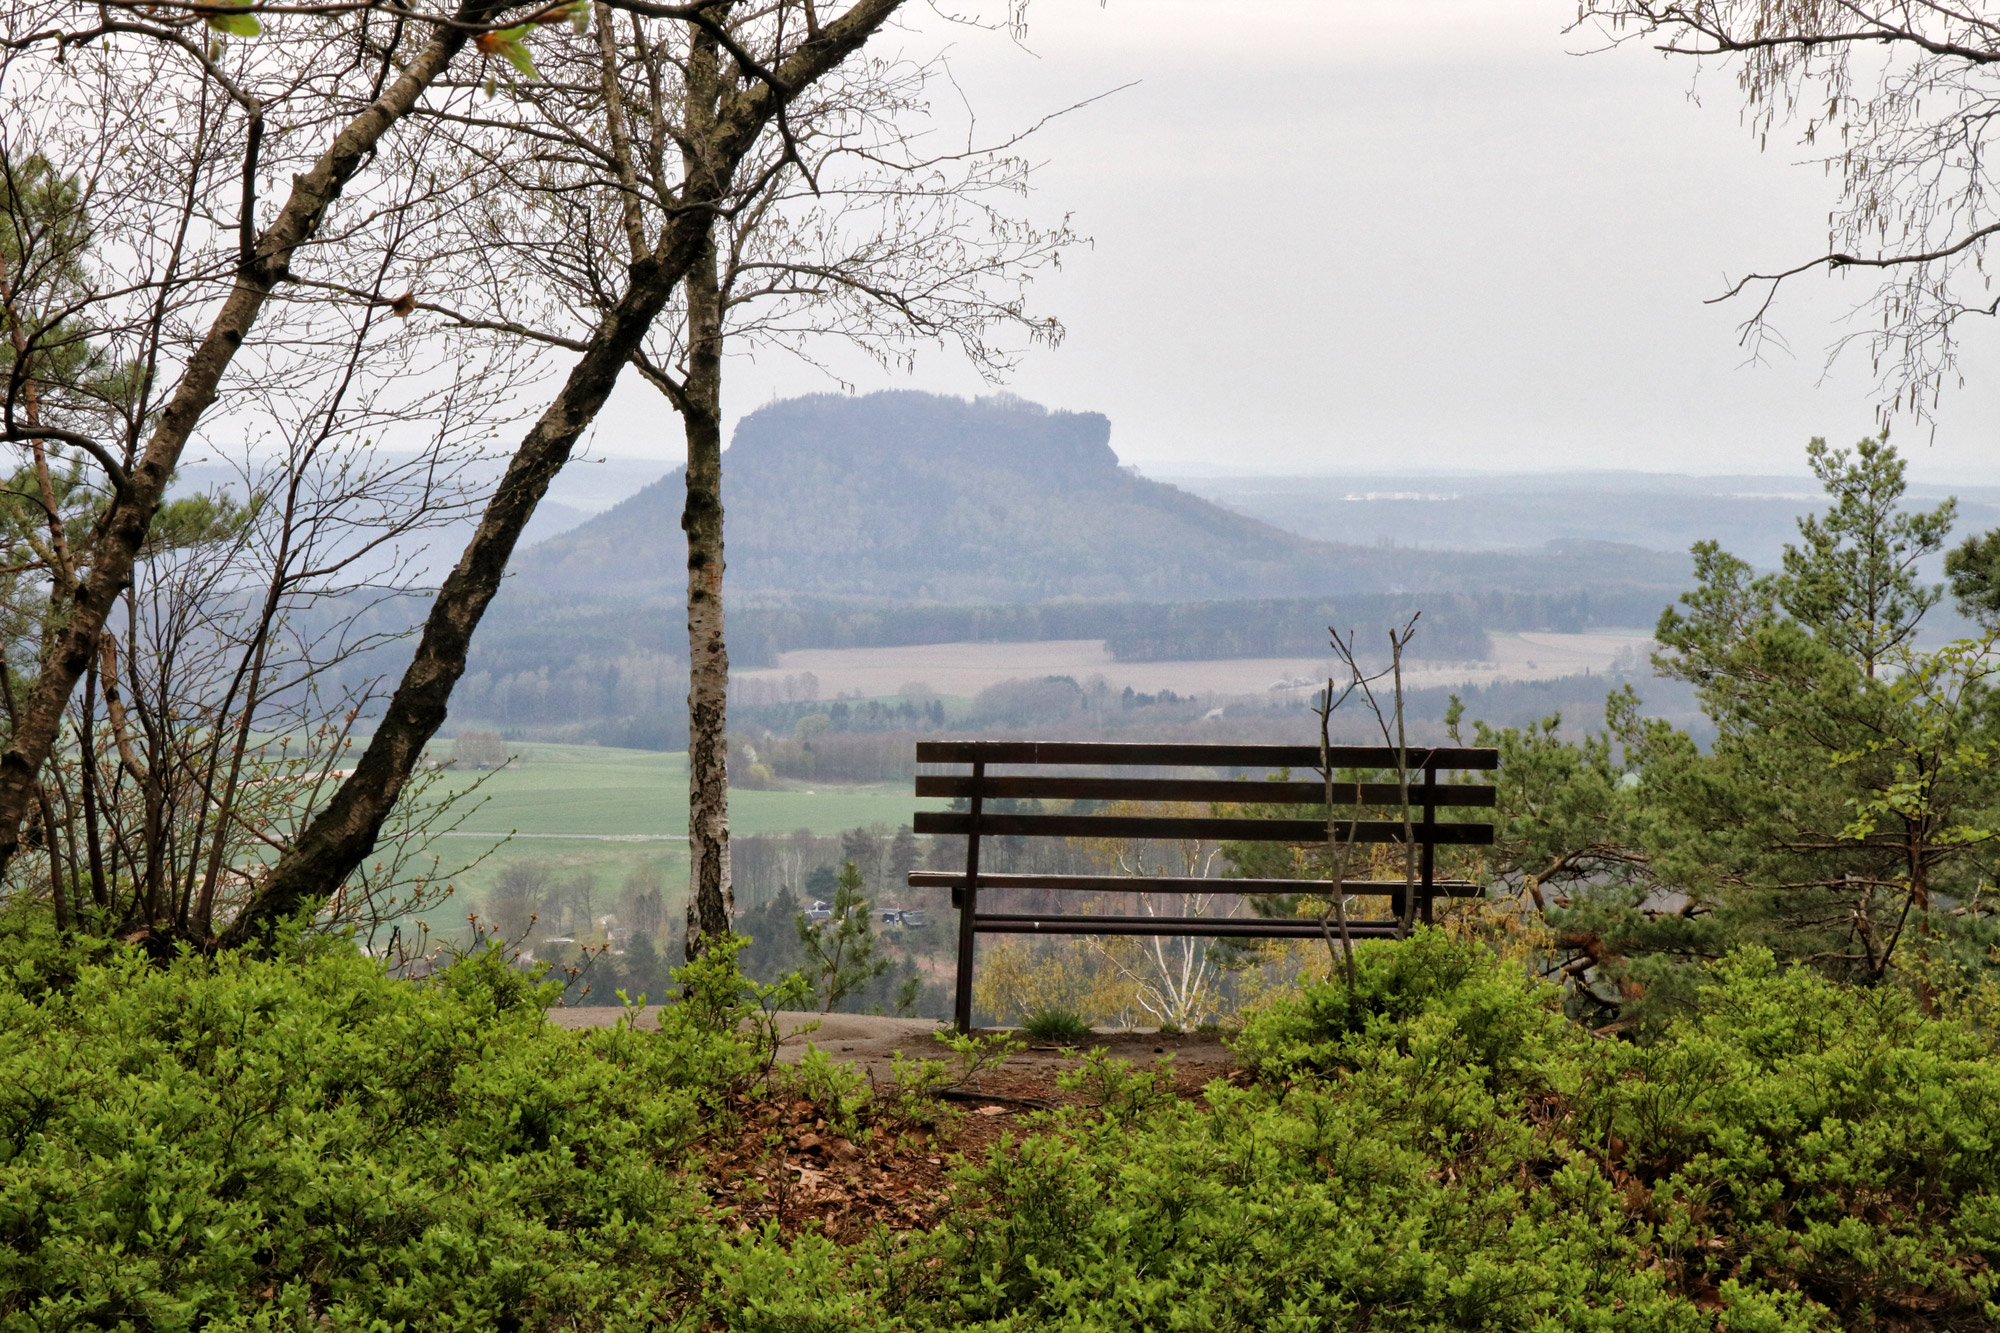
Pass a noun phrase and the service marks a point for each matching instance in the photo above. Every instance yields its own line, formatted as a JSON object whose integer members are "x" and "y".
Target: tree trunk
{"x": 711, "y": 900}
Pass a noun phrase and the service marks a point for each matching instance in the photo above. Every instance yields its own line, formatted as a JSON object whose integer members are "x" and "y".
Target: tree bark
{"x": 709, "y": 908}
{"x": 341, "y": 836}
{"x": 711, "y": 900}
{"x": 120, "y": 531}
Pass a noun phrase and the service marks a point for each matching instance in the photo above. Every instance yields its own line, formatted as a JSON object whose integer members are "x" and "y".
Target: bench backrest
{"x": 1428, "y": 793}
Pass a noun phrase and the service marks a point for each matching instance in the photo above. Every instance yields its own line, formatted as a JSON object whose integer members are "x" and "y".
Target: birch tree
{"x": 852, "y": 230}
{"x": 1897, "y": 98}
{"x": 1174, "y": 978}
{"x": 173, "y": 130}
{"x": 881, "y": 263}
{"x": 208, "y": 725}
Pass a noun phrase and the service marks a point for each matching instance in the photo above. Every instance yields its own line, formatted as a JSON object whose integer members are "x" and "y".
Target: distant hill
{"x": 906, "y": 518}
{"x": 905, "y": 496}
{"x": 1754, "y": 517}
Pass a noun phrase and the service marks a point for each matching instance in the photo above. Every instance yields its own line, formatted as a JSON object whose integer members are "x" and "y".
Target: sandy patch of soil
{"x": 968, "y": 668}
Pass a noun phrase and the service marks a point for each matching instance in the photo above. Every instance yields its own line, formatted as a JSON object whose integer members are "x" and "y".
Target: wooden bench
{"x": 1427, "y": 794}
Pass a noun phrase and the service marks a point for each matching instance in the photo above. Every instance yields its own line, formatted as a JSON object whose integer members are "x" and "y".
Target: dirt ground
{"x": 787, "y": 1163}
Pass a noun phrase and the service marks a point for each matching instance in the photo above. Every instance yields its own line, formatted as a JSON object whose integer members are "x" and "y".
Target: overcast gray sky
{"x": 1390, "y": 234}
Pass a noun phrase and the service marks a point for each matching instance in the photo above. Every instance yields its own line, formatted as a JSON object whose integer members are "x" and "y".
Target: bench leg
{"x": 968, "y": 904}
{"x": 961, "y": 1008}
{"x": 1429, "y": 851}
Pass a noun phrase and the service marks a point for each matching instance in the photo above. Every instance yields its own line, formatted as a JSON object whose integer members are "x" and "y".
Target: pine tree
{"x": 1846, "y": 788}
{"x": 840, "y": 951}
{"x": 1842, "y": 815}
{"x": 1852, "y": 579}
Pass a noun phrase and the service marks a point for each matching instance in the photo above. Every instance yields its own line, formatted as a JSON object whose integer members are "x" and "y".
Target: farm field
{"x": 615, "y": 816}
{"x": 579, "y": 792}
{"x": 968, "y": 668}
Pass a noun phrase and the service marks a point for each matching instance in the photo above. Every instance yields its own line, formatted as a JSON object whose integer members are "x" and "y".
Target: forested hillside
{"x": 930, "y": 498}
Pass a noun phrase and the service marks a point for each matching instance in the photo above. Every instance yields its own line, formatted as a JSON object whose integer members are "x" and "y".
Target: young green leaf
{"x": 235, "y": 25}
{"x": 506, "y": 43}
{"x": 517, "y": 56}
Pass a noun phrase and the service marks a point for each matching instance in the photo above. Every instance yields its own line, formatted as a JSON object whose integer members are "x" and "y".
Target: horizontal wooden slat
{"x": 1198, "y": 789}
{"x": 1219, "y": 830}
{"x": 1204, "y": 756}
{"x": 1273, "y": 928}
{"x": 955, "y": 879}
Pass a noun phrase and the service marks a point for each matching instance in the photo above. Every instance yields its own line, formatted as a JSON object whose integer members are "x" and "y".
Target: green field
{"x": 593, "y": 792}
{"x": 611, "y": 814}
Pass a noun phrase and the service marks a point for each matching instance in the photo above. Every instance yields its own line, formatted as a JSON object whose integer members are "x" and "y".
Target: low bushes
{"x": 1387, "y": 1170}
{"x": 274, "y": 1143}
{"x": 304, "y": 1143}
{"x": 1056, "y": 1025}
{"x": 1440, "y": 1150}
{"x": 1832, "y": 1145}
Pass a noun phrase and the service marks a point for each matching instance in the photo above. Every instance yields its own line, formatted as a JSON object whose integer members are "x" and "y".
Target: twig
{"x": 1338, "y": 868}
{"x": 1395, "y": 740}
{"x": 968, "y": 1095}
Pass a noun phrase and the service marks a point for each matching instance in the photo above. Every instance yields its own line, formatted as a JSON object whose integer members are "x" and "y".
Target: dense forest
{"x": 872, "y": 740}
{"x": 605, "y": 939}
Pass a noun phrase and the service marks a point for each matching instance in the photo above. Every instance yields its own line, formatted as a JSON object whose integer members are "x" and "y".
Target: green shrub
{"x": 1056, "y": 1025}
{"x": 1447, "y": 996}
{"x": 1382, "y": 1174}
{"x": 1800, "y": 1135}
{"x": 243, "y": 1142}
{"x": 305, "y": 1143}
{"x": 1439, "y": 1150}
{"x": 918, "y": 1086}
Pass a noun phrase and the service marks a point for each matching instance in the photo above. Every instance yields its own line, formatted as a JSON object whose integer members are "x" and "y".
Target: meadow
{"x": 586, "y": 792}
{"x": 614, "y": 815}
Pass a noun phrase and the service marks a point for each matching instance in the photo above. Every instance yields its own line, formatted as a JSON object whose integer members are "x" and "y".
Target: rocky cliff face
{"x": 928, "y": 435}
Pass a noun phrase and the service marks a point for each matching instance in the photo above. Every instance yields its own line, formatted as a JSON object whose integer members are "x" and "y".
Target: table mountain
{"x": 912, "y": 496}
